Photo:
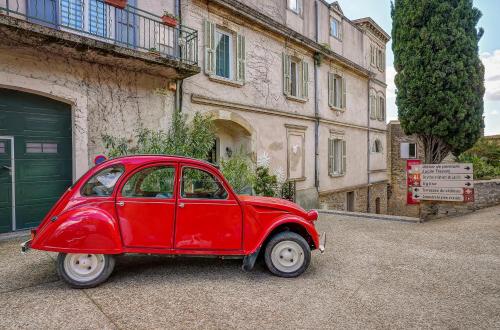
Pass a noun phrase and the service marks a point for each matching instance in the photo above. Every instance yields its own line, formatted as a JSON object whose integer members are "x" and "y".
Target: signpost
{"x": 441, "y": 182}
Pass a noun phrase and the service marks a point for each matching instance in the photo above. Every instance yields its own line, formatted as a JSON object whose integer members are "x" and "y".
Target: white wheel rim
{"x": 287, "y": 256}
{"x": 84, "y": 267}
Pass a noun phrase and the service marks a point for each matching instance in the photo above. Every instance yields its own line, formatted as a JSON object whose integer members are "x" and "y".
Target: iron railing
{"x": 130, "y": 27}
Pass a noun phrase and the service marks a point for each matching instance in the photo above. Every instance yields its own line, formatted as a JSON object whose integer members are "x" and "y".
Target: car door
{"x": 208, "y": 216}
{"x": 145, "y": 206}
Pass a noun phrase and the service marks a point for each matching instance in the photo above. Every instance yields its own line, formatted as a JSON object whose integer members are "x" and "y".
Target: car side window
{"x": 151, "y": 182}
{"x": 102, "y": 183}
{"x": 199, "y": 184}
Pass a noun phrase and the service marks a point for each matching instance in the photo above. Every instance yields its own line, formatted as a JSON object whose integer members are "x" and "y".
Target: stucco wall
{"x": 104, "y": 100}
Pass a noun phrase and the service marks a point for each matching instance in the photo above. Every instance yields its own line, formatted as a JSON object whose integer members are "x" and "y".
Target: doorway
{"x": 350, "y": 201}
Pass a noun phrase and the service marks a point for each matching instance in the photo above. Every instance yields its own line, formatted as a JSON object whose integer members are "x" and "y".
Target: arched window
{"x": 377, "y": 146}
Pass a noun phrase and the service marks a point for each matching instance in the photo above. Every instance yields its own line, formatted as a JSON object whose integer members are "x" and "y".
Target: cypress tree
{"x": 440, "y": 78}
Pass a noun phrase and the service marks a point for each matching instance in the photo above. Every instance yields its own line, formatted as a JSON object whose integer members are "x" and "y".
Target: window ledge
{"x": 333, "y": 175}
{"x": 298, "y": 179}
{"x": 225, "y": 81}
{"x": 337, "y": 109}
{"x": 296, "y": 99}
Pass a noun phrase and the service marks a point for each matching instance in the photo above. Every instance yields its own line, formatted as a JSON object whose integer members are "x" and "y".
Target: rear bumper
{"x": 25, "y": 246}
{"x": 322, "y": 242}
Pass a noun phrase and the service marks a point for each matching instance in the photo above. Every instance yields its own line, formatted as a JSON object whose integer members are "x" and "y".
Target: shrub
{"x": 266, "y": 184}
{"x": 482, "y": 169}
{"x": 238, "y": 171}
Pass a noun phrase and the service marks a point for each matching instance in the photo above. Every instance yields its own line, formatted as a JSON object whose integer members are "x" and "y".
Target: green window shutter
{"x": 373, "y": 105}
{"x": 344, "y": 157}
{"x": 330, "y": 156}
{"x": 286, "y": 74}
{"x": 383, "y": 61}
{"x": 241, "y": 58}
{"x": 382, "y": 113}
{"x": 339, "y": 28}
{"x": 305, "y": 79}
{"x": 343, "y": 105}
{"x": 330, "y": 89}
{"x": 209, "y": 47}
{"x": 372, "y": 55}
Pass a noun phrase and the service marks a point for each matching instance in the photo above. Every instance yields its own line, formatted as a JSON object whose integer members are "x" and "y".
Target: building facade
{"x": 294, "y": 82}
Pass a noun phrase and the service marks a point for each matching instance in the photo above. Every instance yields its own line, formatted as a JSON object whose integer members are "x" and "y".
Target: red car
{"x": 169, "y": 205}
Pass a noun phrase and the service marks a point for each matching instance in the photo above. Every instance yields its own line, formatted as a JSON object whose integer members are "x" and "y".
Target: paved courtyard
{"x": 374, "y": 274}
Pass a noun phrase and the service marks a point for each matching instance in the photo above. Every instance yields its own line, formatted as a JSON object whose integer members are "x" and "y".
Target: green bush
{"x": 485, "y": 156}
{"x": 482, "y": 169}
{"x": 238, "y": 171}
{"x": 266, "y": 184}
{"x": 191, "y": 139}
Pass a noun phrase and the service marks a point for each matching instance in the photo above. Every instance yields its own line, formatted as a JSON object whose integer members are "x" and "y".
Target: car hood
{"x": 279, "y": 204}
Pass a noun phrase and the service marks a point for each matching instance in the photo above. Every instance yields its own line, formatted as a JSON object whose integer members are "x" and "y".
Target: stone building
{"x": 294, "y": 81}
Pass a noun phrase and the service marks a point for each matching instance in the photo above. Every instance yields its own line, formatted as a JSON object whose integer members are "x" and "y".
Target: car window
{"x": 152, "y": 182}
{"x": 199, "y": 184}
{"x": 103, "y": 183}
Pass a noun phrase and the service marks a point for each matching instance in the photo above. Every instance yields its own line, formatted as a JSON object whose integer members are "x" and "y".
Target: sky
{"x": 489, "y": 50}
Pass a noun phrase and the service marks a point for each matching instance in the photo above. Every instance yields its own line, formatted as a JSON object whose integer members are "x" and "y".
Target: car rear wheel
{"x": 287, "y": 254}
{"x": 84, "y": 270}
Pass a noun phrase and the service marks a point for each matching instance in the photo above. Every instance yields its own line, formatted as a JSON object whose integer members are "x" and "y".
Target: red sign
{"x": 412, "y": 180}
{"x": 468, "y": 195}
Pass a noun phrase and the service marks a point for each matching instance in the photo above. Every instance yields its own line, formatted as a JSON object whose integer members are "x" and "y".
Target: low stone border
{"x": 371, "y": 216}
{"x": 14, "y": 234}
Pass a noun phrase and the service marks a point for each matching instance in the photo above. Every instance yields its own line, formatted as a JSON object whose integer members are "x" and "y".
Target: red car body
{"x": 117, "y": 224}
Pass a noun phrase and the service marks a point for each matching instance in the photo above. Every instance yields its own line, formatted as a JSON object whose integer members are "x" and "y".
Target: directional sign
{"x": 448, "y": 184}
{"x": 446, "y": 177}
{"x": 441, "y": 191}
{"x": 444, "y": 168}
{"x": 439, "y": 197}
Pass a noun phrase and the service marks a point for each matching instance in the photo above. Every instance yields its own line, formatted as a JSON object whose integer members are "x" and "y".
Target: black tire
{"x": 109, "y": 265}
{"x": 290, "y": 237}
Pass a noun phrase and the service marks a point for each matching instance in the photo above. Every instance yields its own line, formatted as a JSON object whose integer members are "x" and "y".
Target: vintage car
{"x": 169, "y": 205}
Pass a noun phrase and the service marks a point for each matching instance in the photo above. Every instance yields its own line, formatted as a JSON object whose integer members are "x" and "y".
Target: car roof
{"x": 153, "y": 157}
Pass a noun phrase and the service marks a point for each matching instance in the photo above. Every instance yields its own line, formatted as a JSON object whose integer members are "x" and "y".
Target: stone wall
{"x": 486, "y": 194}
{"x": 337, "y": 200}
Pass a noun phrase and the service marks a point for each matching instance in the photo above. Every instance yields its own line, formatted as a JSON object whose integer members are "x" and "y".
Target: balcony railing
{"x": 130, "y": 27}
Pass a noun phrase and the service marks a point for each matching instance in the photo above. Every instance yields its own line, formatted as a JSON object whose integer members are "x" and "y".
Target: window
{"x": 295, "y": 77}
{"x": 373, "y": 55}
{"x": 408, "y": 150}
{"x": 41, "y": 148}
{"x": 380, "y": 60}
{"x": 97, "y": 18}
{"x": 223, "y": 54}
{"x": 199, "y": 184}
{"x": 377, "y": 146}
{"x": 2, "y": 147}
{"x": 295, "y": 6}
{"x": 335, "y": 28}
{"x": 72, "y": 13}
{"x": 373, "y": 105}
{"x": 219, "y": 53}
{"x": 381, "y": 108}
{"x": 156, "y": 182}
{"x": 103, "y": 183}
{"x": 336, "y": 91}
{"x": 337, "y": 164}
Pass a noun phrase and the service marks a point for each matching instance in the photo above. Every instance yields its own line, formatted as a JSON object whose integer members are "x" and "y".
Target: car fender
{"x": 85, "y": 229}
{"x": 289, "y": 219}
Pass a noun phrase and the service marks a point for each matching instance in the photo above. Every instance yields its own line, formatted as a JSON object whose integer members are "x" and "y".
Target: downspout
{"x": 178, "y": 83}
{"x": 368, "y": 195}
{"x": 316, "y": 103}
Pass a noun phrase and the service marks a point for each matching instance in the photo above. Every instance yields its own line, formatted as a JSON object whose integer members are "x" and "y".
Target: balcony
{"x": 95, "y": 31}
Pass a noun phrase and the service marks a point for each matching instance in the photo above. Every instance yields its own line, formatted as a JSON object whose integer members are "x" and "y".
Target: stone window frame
{"x": 335, "y": 72}
{"x": 296, "y": 130}
{"x": 302, "y": 78}
{"x": 377, "y": 146}
{"x": 337, "y": 135}
{"x": 401, "y": 150}
{"x": 340, "y": 31}
{"x": 300, "y": 7}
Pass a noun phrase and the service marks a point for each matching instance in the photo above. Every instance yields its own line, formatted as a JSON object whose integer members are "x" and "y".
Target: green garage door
{"x": 40, "y": 129}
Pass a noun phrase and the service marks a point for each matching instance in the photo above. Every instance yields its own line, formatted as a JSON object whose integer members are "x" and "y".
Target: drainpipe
{"x": 316, "y": 103}
{"x": 178, "y": 83}
{"x": 368, "y": 195}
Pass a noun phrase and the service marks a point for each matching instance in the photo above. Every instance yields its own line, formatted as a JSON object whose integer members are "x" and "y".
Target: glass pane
{"x": 222, "y": 53}
{"x": 293, "y": 78}
{"x": 103, "y": 183}
{"x": 156, "y": 182}
{"x": 202, "y": 185}
{"x": 294, "y": 5}
{"x": 97, "y": 18}
{"x": 33, "y": 147}
{"x": 334, "y": 28}
{"x": 413, "y": 150}
{"x": 49, "y": 148}
{"x": 72, "y": 13}
{"x": 2, "y": 147}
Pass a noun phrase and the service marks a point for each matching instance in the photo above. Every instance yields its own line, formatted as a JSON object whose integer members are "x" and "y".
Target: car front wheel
{"x": 287, "y": 254}
{"x": 83, "y": 270}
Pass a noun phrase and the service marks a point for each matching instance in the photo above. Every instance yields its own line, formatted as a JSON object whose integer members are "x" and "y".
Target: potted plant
{"x": 169, "y": 19}
{"x": 117, "y": 3}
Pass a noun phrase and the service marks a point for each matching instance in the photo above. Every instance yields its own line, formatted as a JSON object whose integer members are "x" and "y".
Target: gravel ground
{"x": 374, "y": 274}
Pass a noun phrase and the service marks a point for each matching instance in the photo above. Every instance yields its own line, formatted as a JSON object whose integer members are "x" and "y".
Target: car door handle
{"x": 181, "y": 205}
{"x": 120, "y": 203}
